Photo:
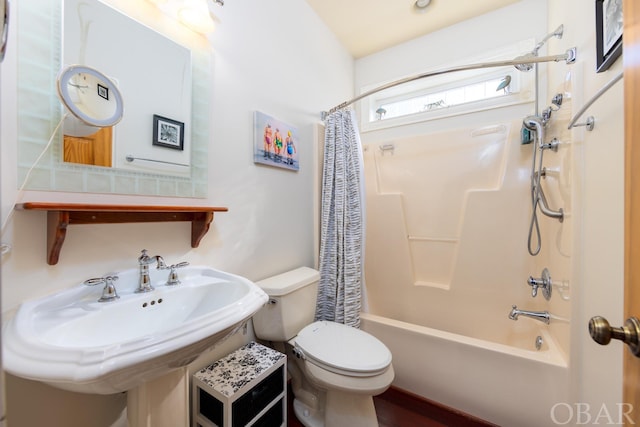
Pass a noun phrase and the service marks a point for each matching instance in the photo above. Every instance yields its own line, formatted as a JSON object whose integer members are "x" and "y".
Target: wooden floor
{"x": 396, "y": 408}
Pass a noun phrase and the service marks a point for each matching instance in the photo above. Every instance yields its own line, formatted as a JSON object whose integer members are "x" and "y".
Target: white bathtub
{"x": 446, "y": 258}
{"x": 503, "y": 384}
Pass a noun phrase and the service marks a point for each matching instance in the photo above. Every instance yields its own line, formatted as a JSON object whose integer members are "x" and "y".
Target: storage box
{"x": 245, "y": 388}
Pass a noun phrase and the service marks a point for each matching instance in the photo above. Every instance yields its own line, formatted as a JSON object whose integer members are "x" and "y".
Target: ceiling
{"x": 368, "y": 26}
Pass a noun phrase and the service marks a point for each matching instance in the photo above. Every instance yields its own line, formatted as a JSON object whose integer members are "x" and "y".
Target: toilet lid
{"x": 339, "y": 347}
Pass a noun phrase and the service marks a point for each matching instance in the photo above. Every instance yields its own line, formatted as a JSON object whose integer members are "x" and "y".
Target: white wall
{"x": 276, "y": 57}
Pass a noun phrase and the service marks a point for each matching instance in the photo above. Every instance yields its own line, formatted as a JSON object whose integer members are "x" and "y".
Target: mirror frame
{"x": 40, "y": 32}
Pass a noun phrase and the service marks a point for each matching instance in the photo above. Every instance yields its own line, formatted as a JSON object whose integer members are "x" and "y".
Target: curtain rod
{"x": 569, "y": 56}
{"x": 593, "y": 99}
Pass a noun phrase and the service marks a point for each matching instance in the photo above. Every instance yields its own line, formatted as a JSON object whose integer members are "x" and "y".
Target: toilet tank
{"x": 291, "y": 306}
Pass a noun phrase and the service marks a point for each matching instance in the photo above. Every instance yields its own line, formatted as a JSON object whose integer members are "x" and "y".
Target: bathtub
{"x": 446, "y": 259}
{"x": 508, "y": 385}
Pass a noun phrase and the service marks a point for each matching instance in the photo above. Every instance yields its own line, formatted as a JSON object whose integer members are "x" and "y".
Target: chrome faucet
{"x": 542, "y": 316}
{"x": 144, "y": 283}
{"x": 173, "y": 274}
{"x": 543, "y": 283}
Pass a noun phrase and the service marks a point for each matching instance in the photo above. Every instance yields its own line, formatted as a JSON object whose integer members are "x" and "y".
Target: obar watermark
{"x": 586, "y": 414}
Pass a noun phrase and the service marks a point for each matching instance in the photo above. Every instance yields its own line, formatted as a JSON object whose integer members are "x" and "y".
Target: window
{"x": 446, "y": 95}
{"x": 473, "y": 92}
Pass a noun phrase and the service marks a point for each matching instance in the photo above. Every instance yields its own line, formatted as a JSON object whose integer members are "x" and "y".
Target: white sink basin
{"x": 71, "y": 341}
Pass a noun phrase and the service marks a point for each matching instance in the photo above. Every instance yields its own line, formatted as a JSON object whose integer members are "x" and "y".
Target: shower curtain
{"x": 342, "y": 223}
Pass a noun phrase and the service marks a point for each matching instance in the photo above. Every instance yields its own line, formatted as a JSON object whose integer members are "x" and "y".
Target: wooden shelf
{"x": 61, "y": 215}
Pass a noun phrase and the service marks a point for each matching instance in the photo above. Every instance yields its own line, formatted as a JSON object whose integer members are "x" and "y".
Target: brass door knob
{"x": 602, "y": 332}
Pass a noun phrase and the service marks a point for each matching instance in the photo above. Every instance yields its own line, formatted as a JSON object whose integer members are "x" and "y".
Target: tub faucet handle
{"x": 534, "y": 286}
{"x": 543, "y": 283}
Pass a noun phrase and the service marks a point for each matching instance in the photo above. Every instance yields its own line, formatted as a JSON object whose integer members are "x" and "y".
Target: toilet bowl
{"x": 335, "y": 369}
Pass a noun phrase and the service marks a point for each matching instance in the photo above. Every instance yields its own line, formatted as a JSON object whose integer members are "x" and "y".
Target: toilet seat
{"x": 343, "y": 349}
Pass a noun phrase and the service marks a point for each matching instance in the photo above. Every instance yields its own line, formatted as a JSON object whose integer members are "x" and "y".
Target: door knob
{"x": 602, "y": 332}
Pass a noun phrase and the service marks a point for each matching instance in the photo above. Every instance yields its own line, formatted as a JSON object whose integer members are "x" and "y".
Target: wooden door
{"x": 93, "y": 149}
{"x": 631, "y": 60}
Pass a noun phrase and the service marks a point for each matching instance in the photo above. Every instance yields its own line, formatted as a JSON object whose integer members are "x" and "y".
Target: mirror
{"x": 162, "y": 100}
{"x": 152, "y": 71}
{"x": 91, "y": 97}
{"x": 94, "y": 106}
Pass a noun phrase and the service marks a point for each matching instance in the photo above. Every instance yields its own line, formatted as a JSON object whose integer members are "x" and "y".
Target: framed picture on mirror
{"x": 608, "y": 33}
{"x": 168, "y": 133}
{"x": 103, "y": 92}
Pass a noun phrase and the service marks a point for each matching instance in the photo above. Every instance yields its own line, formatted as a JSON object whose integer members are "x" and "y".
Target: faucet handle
{"x": 100, "y": 280}
{"x": 534, "y": 283}
{"x": 544, "y": 283}
{"x": 109, "y": 292}
{"x": 173, "y": 274}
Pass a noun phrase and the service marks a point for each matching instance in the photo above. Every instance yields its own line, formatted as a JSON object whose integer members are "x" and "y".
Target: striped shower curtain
{"x": 342, "y": 223}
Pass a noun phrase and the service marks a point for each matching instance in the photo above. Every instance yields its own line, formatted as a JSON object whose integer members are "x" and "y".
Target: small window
{"x": 487, "y": 89}
{"x": 446, "y": 95}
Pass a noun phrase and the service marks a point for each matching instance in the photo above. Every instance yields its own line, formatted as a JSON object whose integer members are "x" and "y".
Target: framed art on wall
{"x": 275, "y": 142}
{"x": 608, "y": 33}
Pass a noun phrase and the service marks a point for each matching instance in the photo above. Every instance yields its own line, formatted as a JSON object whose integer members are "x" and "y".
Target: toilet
{"x": 335, "y": 369}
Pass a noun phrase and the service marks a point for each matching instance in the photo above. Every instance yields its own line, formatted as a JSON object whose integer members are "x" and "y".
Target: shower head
{"x": 526, "y": 56}
{"x": 533, "y": 122}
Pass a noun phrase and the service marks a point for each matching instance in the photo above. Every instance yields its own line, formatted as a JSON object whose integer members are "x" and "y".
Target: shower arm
{"x": 557, "y": 33}
{"x": 569, "y": 57}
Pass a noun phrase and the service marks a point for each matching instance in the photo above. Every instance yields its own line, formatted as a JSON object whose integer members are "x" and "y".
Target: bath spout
{"x": 542, "y": 316}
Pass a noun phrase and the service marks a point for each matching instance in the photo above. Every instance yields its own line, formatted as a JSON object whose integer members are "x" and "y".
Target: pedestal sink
{"x": 71, "y": 341}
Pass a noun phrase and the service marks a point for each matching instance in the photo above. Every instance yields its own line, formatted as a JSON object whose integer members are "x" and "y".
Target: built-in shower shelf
{"x": 61, "y": 215}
